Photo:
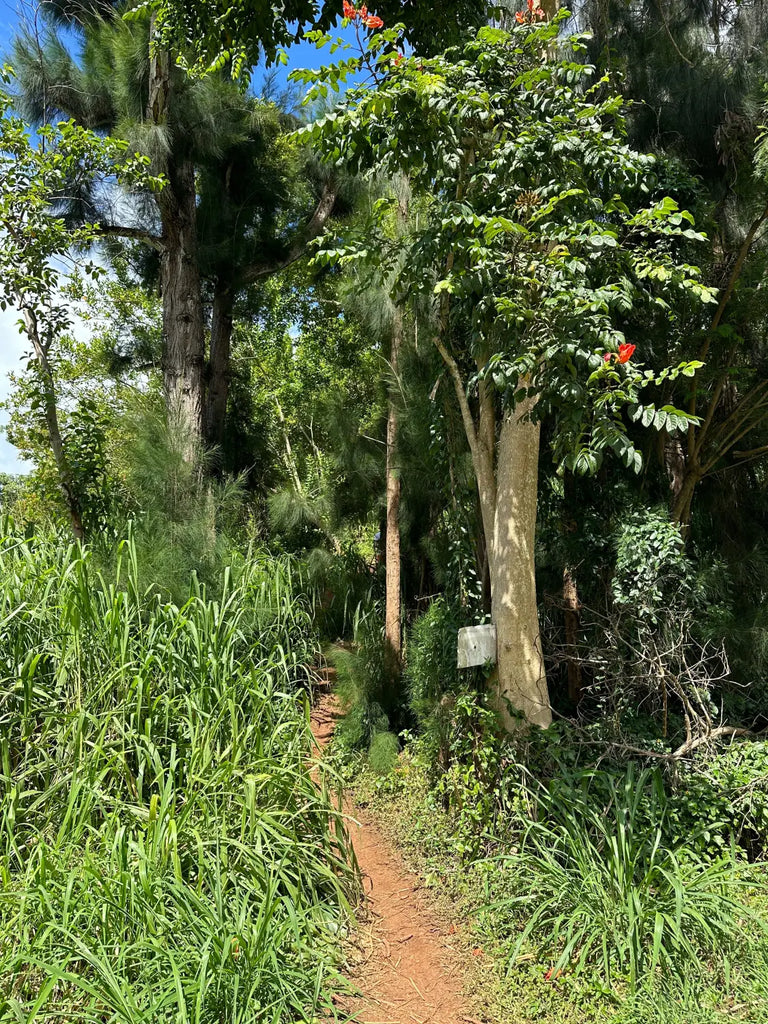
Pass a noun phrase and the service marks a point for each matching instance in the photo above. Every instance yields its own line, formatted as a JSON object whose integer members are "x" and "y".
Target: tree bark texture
{"x": 392, "y": 618}
{"x": 183, "y": 323}
{"x": 219, "y": 366}
{"x": 572, "y": 617}
{"x": 522, "y": 681}
{"x": 507, "y": 482}
{"x": 51, "y": 415}
{"x": 183, "y": 326}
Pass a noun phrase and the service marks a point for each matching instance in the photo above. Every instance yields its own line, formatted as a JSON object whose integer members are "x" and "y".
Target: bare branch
{"x": 139, "y": 234}
{"x": 461, "y": 395}
{"x": 312, "y": 229}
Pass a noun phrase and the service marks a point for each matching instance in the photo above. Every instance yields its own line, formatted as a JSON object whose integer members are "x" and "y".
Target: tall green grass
{"x": 596, "y": 888}
{"x": 164, "y": 855}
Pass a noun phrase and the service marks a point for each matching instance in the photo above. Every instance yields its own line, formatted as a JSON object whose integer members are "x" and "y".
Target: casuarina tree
{"x": 218, "y": 150}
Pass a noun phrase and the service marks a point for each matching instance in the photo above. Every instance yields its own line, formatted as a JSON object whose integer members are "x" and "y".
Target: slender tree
{"x": 34, "y": 177}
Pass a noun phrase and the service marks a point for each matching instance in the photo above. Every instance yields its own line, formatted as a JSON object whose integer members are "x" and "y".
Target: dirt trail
{"x": 407, "y": 971}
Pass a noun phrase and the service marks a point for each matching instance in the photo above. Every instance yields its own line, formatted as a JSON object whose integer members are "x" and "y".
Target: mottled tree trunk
{"x": 506, "y": 470}
{"x": 392, "y": 618}
{"x": 521, "y": 679}
{"x": 183, "y": 327}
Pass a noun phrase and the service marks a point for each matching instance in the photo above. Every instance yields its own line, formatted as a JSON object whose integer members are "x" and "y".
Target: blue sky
{"x": 12, "y": 344}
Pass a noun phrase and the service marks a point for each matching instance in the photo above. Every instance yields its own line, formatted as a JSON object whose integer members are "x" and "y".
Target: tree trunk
{"x": 507, "y": 486}
{"x": 392, "y": 550}
{"x": 218, "y": 366}
{"x": 683, "y": 500}
{"x": 675, "y": 465}
{"x": 183, "y": 330}
{"x": 50, "y": 412}
{"x": 522, "y": 681}
{"x": 572, "y": 617}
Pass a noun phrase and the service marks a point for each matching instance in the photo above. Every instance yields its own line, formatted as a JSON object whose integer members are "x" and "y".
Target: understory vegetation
{"x": 452, "y": 341}
{"x": 580, "y": 898}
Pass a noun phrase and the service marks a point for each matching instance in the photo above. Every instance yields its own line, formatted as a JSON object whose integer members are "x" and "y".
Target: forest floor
{"x": 404, "y": 964}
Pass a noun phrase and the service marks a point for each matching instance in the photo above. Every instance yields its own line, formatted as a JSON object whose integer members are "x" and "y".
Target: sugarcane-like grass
{"x": 164, "y": 854}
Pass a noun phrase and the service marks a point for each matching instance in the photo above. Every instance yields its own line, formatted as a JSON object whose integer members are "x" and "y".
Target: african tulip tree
{"x": 542, "y": 234}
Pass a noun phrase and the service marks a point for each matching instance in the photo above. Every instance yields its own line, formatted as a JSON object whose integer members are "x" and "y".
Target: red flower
{"x": 399, "y": 58}
{"x": 373, "y": 21}
{"x": 623, "y": 355}
{"x": 349, "y": 10}
{"x": 363, "y": 12}
{"x": 625, "y": 352}
{"x": 533, "y": 14}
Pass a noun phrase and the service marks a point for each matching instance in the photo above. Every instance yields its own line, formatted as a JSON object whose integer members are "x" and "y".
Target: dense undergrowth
{"x": 575, "y": 902}
{"x": 595, "y": 884}
{"x": 164, "y": 853}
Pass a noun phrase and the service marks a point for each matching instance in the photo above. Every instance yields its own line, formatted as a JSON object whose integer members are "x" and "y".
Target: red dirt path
{"x": 405, "y": 967}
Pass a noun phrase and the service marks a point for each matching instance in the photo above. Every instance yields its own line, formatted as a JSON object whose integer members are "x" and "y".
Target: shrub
{"x": 365, "y": 684}
{"x": 721, "y": 799}
{"x": 383, "y": 752}
{"x": 431, "y": 668}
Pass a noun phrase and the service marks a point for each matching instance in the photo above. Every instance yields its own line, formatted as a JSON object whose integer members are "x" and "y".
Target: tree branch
{"x": 753, "y": 453}
{"x": 461, "y": 395}
{"x": 696, "y": 439}
{"x": 682, "y": 751}
{"x": 738, "y": 266}
{"x": 312, "y": 229}
{"x": 139, "y": 234}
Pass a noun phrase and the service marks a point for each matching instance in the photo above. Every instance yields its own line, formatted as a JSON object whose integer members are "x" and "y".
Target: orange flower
{"x": 399, "y": 58}
{"x": 625, "y": 352}
{"x": 349, "y": 10}
{"x": 373, "y": 21}
{"x": 363, "y": 12}
{"x": 533, "y": 14}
